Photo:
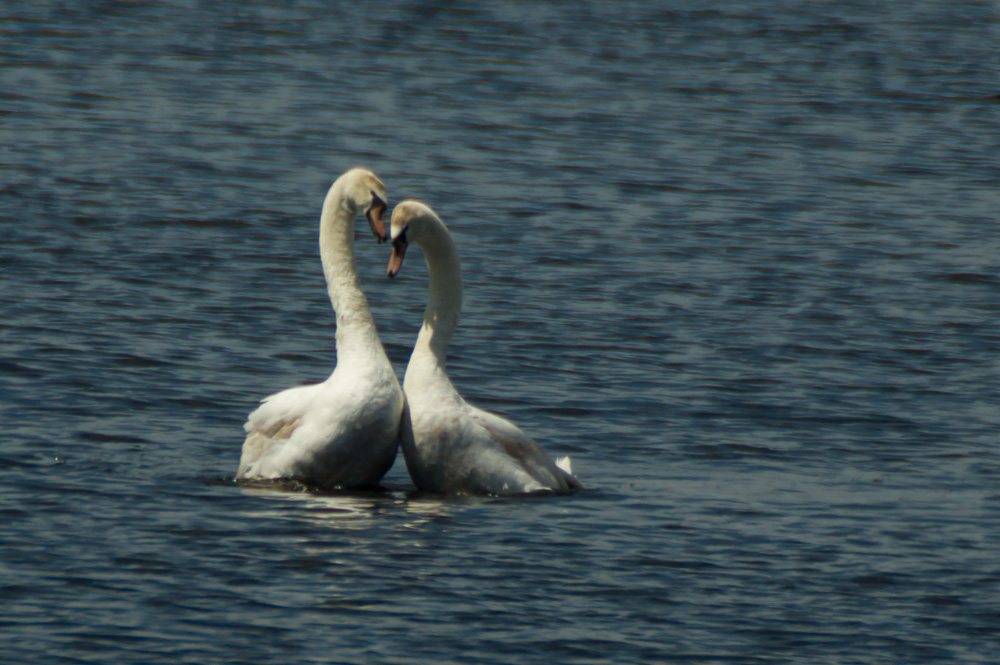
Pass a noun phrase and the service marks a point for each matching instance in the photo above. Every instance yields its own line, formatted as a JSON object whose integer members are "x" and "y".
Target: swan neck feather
{"x": 444, "y": 303}
{"x": 355, "y": 326}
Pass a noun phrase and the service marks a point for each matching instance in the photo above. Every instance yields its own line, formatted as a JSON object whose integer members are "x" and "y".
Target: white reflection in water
{"x": 350, "y": 509}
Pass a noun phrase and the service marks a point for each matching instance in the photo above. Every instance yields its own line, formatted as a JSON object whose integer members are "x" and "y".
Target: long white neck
{"x": 356, "y": 333}
{"x": 444, "y": 304}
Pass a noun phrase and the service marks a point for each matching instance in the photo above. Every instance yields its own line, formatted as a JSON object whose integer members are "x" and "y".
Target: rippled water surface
{"x": 739, "y": 260}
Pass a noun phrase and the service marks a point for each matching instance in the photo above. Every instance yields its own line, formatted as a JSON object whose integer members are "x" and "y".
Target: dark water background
{"x": 740, "y": 260}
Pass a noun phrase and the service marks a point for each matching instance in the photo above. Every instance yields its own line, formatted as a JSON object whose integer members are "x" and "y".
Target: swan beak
{"x": 396, "y": 259}
{"x": 376, "y": 220}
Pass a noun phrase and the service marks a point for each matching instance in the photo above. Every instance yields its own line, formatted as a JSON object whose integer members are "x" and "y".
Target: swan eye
{"x": 401, "y": 236}
{"x": 377, "y": 200}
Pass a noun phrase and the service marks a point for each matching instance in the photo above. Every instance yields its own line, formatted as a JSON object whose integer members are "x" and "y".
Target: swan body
{"x": 449, "y": 445}
{"x": 342, "y": 432}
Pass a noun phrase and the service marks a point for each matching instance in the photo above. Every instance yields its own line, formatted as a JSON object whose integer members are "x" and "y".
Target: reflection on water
{"x": 340, "y": 510}
{"x": 343, "y": 509}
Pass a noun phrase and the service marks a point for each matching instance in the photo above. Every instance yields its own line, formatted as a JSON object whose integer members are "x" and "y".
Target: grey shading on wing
{"x": 264, "y": 442}
{"x": 528, "y": 454}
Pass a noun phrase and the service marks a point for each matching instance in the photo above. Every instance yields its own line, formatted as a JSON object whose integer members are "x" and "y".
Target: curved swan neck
{"x": 355, "y": 326}
{"x": 444, "y": 298}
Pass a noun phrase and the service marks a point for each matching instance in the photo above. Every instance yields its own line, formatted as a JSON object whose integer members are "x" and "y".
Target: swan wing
{"x": 271, "y": 426}
{"x": 525, "y": 453}
{"x": 340, "y": 433}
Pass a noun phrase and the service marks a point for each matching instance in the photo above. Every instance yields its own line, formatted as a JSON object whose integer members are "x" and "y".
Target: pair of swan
{"x": 344, "y": 432}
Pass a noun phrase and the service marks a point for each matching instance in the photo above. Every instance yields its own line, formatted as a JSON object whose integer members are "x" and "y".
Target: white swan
{"x": 451, "y": 446}
{"x": 342, "y": 432}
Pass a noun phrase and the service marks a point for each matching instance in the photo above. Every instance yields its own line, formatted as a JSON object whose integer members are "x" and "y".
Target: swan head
{"x": 365, "y": 191}
{"x": 409, "y": 219}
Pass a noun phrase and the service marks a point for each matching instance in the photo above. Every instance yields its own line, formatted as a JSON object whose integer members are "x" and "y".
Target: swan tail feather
{"x": 565, "y": 464}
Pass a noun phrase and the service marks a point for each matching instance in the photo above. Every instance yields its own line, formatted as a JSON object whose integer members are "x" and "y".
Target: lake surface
{"x": 739, "y": 260}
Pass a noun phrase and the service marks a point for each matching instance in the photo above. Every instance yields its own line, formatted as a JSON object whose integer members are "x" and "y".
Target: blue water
{"x": 739, "y": 260}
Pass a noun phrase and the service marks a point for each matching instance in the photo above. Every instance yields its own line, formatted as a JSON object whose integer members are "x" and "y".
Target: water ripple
{"x": 741, "y": 264}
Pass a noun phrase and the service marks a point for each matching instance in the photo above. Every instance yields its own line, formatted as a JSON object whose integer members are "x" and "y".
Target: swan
{"x": 449, "y": 445}
{"x": 341, "y": 432}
